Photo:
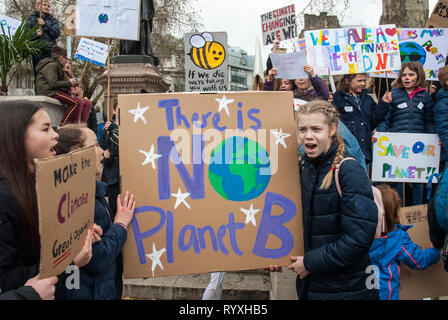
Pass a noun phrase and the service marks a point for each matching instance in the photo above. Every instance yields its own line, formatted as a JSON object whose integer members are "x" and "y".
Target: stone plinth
{"x": 54, "y": 108}
{"x": 127, "y": 77}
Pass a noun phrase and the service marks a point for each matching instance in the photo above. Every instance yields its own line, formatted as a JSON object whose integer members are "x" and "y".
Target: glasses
{"x": 411, "y": 57}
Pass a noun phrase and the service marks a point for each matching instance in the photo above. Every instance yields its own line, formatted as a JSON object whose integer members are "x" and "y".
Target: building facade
{"x": 240, "y": 69}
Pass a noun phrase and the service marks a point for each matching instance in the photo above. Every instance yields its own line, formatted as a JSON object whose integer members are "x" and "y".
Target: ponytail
{"x": 326, "y": 183}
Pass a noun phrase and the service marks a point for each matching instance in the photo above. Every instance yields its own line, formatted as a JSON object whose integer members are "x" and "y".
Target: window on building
{"x": 18, "y": 81}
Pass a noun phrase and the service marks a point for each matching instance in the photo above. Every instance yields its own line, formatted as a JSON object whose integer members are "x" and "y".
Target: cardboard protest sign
{"x": 206, "y": 61}
{"x": 108, "y": 19}
{"x": 279, "y": 24}
{"x": 439, "y": 16}
{"x": 9, "y": 25}
{"x": 92, "y": 51}
{"x": 289, "y": 65}
{"x": 215, "y": 180}
{"x": 353, "y": 50}
{"x": 427, "y": 46}
{"x": 65, "y": 187}
{"x": 405, "y": 157}
{"x": 417, "y": 284}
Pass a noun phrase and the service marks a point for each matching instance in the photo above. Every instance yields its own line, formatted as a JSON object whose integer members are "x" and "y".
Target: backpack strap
{"x": 336, "y": 177}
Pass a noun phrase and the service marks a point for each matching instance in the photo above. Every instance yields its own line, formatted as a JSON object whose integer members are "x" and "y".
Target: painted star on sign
{"x": 180, "y": 198}
{"x": 250, "y": 215}
{"x": 150, "y": 156}
{"x": 223, "y": 102}
{"x": 155, "y": 257}
{"x": 280, "y": 136}
{"x": 138, "y": 113}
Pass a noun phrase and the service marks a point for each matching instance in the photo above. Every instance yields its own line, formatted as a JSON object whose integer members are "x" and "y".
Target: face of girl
{"x": 40, "y": 138}
{"x": 303, "y": 84}
{"x": 315, "y": 134}
{"x": 285, "y": 85}
{"x": 91, "y": 139}
{"x": 358, "y": 83}
{"x": 409, "y": 79}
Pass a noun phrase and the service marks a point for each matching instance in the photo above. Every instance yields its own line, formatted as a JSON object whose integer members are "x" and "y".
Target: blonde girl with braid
{"x": 338, "y": 229}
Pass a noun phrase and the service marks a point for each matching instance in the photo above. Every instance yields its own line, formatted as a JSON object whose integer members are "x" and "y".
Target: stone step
{"x": 236, "y": 286}
{"x": 54, "y": 108}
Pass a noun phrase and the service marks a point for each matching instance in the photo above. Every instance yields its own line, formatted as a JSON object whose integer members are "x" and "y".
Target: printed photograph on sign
{"x": 215, "y": 179}
{"x": 353, "y": 50}
{"x": 405, "y": 157}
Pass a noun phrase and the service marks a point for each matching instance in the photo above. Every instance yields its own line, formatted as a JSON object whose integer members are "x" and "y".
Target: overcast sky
{"x": 241, "y": 18}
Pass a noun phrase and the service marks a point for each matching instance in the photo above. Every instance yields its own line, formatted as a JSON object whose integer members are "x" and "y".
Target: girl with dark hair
{"x": 26, "y": 134}
{"x": 100, "y": 279}
{"x": 411, "y": 111}
{"x": 358, "y": 111}
{"x": 396, "y": 246}
{"x": 338, "y": 230}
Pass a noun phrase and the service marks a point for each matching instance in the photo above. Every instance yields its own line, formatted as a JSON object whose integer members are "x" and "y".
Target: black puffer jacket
{"x": 409, "y": 116}
{"x": 361, "y": 116}
{"x": 15, "y": 270}
{"x": 338, "y": 231}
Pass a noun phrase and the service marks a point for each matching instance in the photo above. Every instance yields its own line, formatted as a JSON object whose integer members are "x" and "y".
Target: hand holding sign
{"x": 125, "y": 212}
{"x": 44, "y": 287}
{"x": 84, "y": 256}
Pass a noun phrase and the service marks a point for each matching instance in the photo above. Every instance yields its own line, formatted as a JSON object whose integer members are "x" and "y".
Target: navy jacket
{"x": 109, "y": 140}
{"x": 361, "y": 116}
{"x": 409, "y": 116}
{"x": 50, "y": 30}
{"x": 97, "y": 278}
{"x": 15, "y": 270}
{"x": 338, "y": 232}
{"x": 441, "y": 120}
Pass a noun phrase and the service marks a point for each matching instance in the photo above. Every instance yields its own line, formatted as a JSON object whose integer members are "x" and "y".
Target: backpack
{"x": 440, "y": 198}
{"x": 380, "y": 227}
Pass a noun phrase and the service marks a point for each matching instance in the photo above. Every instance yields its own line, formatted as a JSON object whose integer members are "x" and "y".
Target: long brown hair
{"x": 392, "y": 204}
{"x": 332, "y": 116}
{"x": 15, "y": 118}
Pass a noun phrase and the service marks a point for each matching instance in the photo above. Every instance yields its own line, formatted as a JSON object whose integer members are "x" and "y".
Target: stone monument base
{"x": 132, "y": 74}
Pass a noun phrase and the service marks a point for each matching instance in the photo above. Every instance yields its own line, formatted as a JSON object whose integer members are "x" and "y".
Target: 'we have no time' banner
{"x": 405, "y": 157}
{"x": 353, "y": 50}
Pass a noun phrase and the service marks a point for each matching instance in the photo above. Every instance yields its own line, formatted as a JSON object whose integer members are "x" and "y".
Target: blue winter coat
{"x": 387, "y": 253}
{"x": 361, "y": 115}
{"x": 97, "y": 278}
{"x": 338, "y": 232}
{"x": 409, "y": 116}
{"x": 441, "y": 120}
{"x": 50, "y": 30}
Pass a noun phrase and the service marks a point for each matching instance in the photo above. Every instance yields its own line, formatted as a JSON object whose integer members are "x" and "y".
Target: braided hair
{"x": 332, "y": 116}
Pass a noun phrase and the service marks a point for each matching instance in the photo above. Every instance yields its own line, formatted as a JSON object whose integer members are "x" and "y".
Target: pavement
{"x": 243, "y": 285}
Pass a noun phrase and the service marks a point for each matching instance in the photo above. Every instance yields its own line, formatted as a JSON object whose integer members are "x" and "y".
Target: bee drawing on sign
{"x": 205, "y": 52}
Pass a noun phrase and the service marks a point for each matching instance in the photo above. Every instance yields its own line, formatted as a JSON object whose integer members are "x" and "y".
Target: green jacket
{"x": 50, "y": 77}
